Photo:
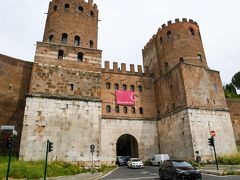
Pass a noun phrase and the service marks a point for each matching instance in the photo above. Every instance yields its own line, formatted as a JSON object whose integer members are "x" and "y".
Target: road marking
{"x": 138, "y": 178}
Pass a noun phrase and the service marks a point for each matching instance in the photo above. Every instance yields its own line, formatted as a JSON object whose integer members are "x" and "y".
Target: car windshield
{"x": 135, "y": 160}
{"x": 179, "y": 164}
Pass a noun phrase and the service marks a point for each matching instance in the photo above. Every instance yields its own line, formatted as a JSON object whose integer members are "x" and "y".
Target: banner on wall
{"x": 126, "y": 98}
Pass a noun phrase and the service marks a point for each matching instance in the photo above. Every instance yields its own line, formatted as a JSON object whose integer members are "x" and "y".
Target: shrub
{"x": 233, "y": 159}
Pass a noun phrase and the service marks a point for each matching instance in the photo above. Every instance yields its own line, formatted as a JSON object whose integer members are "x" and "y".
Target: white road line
{"x": 137, "y": 178}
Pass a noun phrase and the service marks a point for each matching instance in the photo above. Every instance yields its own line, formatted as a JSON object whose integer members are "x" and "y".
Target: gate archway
{"x": 127, "y": 145}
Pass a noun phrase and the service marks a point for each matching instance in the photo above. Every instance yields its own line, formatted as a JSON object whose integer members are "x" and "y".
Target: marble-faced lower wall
{"x": 144, "y": 131}
{"x": 72, "y": 126}
{"x": 183, "y": 133}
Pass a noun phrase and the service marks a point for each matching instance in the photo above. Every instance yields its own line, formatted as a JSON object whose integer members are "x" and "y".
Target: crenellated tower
{"x": 63, "y": 104}
{"x": 189, "y": 96}
{"x": 72, "y": 22}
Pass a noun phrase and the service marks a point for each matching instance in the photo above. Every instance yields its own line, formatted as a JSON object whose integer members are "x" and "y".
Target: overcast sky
{"x": 127, "y": 25}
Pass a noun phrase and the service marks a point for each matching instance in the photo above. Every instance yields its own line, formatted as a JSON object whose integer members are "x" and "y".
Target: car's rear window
{"x": 135, "y": 160}
{"x": 181, "y": 164}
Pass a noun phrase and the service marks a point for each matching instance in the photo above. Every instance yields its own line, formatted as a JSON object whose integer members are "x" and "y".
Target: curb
{"x": 102, "y": 176}
{"x": 217, "y": 173}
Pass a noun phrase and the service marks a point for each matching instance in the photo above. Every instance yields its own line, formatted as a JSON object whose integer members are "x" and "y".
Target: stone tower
{"x": 189, "y": 96}
{"x": 63, "y": 104}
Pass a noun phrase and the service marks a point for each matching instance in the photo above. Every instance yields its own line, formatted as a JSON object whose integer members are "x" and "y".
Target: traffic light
{"x": 50, "y": 146}
{"x": 9, "y": 142}
{"x": 211, "y": 141}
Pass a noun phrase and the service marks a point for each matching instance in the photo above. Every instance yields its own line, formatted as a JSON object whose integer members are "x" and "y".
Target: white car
{"x": 134, "y": 163}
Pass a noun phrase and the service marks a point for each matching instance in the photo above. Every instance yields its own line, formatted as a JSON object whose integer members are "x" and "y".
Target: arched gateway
{"x": 127, "y": 145}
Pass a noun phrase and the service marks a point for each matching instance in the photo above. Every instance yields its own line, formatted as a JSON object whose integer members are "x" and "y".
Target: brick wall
{"x": 15, "y": 78}
{"x": 234, "y": 108}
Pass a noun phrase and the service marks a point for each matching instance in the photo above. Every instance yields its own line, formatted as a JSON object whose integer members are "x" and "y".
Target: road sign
{"x": 15, "y": 133}
{"x": 3, "y": 127}
{"x": 213, "y": 133}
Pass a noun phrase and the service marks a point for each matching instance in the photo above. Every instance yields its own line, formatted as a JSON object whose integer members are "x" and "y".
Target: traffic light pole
{"x": 215, "y": 156}
{"x": 45, "y": 171}
{"x": 9, "y": 158}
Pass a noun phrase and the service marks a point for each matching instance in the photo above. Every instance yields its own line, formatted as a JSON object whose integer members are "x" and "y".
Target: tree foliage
{"x": 236, "y": 80}
{"x": 230, "y": 91}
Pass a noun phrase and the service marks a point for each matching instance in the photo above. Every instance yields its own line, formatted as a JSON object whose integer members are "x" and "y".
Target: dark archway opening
{"x": 127, "y": 145}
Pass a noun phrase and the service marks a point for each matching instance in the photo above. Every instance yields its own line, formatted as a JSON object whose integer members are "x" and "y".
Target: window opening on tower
{"x": 133, "y": 110}
{"x": 91, "y": 44}
{"x": 55, "y": 8}
{"x": 92, "y": 13}
{"x": 64, "y": 38}
{"x": 50, "y": 38}
{"x": 60, "y": 54}
{"x": 80, "y": 9}
{"x": 66, "y": 7}
{"x": 117, "y": 109}
{"x": 199, "y": 57}
{"x": 141, "y": 110}
{"x": 80, "y": 56}
{"x": 108, "y": 108}
{"x": 169, "y": 34}
{"x": 77, "y": 41}
{"x": 192, "y": 31}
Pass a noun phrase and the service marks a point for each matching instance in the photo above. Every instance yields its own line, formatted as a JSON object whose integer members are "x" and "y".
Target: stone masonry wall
{"x": 184, "y": 132}
{"x": 71, "y": 125}
{"x": 15, "y": 78}
{"x": 175, "y": 136}
{"x": 204, "y": 121}
{"x": 144, "y": 131}
{"x": 234, "y": 108}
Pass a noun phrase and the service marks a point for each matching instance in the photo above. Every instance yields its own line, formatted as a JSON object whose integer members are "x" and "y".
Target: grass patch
{"x": 233, "y": 159}
{"x": 35, "y": 170}
{"x": 105, "y": 169}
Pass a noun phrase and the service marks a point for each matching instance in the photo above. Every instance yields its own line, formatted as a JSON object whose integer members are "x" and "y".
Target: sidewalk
{"x": 223, "y": 169}
{"x": 84, "y": 176}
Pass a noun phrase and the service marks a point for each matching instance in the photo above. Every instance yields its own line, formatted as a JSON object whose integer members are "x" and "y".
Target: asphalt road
{"x": 151, "y": 173}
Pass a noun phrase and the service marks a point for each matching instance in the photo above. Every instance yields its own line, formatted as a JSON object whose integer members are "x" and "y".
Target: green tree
{"x": 230, "y": 91}
{"x": 236, "y": 80}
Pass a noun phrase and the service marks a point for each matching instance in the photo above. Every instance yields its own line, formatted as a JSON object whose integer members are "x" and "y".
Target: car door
{"x": 168, "y": 170}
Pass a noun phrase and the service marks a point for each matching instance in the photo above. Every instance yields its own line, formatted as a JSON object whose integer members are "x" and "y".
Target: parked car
{"x": 127, "y": 158}
{"x": 157, "y": 159}
{"x": 134, "y": 163}
{"x": 178, "y": 170}
{"x": 121, "y": 160}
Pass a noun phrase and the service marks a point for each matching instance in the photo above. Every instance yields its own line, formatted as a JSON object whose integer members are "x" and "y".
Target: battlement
{"x": 170, "y": 23}
{"x": 89, "y": 3}
{"x": 122, "y": 69}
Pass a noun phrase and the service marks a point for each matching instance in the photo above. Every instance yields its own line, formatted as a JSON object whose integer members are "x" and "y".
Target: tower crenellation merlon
{"x": 123, "y": 68}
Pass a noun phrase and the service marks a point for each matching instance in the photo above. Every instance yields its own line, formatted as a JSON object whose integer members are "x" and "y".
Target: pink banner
{"x": 126, "y": 98}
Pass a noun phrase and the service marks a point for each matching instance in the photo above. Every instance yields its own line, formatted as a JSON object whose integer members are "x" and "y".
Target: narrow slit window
{"x": 132, "y": 88}
{"x": 71, "y": 87}
{"x": 141, "y": 110}
{"x": 199, "y": 57}
{"x": 117, "y": 109}
{"x": 91, "y": 44}
{"x": 77, "y": 41}
{"x": 64, "y": 38}
{"x": 108, "y": 109}
{"x": 124, "y": 87}
{"x": 116, "y": 86}
{"x": 60, "y": 54}
{"x": 133, "y": 110}
{"x": 50, "y": 38}
{"x": 55, "y": 8}
{"x": 92, "y": 13}
{"x": 108, "y": 85}
{"x": 80, "y": 56}
{"x": 169, "y": 34}
{"x": 125, "y": 110}
{"x": 192, "y": 31}
{"x": 140, "y": 88}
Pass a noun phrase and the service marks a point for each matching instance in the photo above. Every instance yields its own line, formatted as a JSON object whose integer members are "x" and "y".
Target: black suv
{"x": 178, "y": 170}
